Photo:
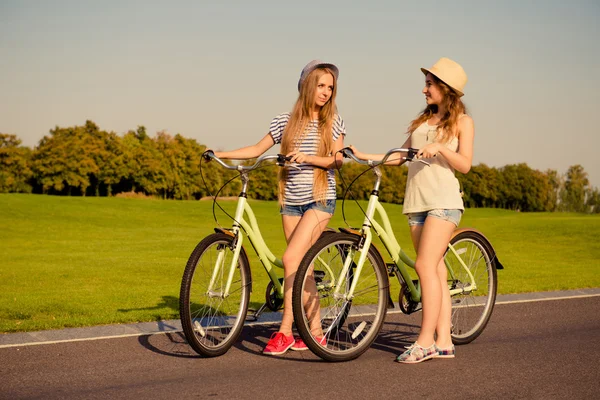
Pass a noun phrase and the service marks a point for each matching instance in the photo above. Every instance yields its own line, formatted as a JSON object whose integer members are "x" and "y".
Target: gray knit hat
{"x": 314, "y": 64}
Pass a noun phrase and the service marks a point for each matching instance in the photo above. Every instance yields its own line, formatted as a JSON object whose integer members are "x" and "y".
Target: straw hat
{"x": 450, "y": 72}
{"x": 314, "y": 64}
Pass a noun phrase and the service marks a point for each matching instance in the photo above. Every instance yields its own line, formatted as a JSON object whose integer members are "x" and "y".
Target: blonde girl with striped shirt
{"x": 311, "y": 134}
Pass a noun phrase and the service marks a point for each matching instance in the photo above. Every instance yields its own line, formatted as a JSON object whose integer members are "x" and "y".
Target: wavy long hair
{"x": 447, "y": 129}
{"x": 297, "y": 126}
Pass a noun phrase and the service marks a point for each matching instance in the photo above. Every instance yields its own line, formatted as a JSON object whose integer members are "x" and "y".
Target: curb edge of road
{"x": 172, "y": 326}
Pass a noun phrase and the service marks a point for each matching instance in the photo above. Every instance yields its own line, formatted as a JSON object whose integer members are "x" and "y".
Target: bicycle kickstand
{"x": 256, "y": 314}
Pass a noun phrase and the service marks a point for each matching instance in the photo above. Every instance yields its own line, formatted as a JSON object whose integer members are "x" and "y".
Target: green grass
{"x": 67, "y": 262}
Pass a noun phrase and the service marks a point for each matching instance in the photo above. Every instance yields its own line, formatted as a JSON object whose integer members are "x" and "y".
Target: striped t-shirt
{"x": 299, "y": 186}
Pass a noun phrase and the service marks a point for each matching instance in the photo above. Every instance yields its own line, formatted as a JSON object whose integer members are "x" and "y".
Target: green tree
{"x": 555, "y": 183}
{"x": 574, "y": 190}
{"x": 593, "y": 201}
{"x": 190, "y": 184}
{"x": 111, "y": 168}
{"x": 393, "y": 184}
{"x": 61, "y": 162}
{"x": 15, "y": 170}
{"x": 265, "y": 183}
{"x": 480, "y": 186}
{"x": 352, "y": 186}
{"x": 103, "y": 150}
{"x": 510, "y": 188}
{"x": 141, "y": 169}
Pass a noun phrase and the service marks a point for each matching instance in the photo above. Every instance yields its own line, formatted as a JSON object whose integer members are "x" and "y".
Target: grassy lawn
{"x": 68, "y": 262}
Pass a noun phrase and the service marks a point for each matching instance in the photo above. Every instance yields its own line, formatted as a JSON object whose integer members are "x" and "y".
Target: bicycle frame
{"x": 245, "y": 219}
{"x": 386, "y": 234}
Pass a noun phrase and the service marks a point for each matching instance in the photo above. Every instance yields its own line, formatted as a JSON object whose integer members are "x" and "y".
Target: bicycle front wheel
{"x": 212, "y": 317}
{"x": 335, "y": 324}
{"x": 473, "y": 298}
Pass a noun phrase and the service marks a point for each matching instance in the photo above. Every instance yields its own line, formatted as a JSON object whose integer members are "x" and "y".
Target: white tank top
{"x": 434, "y": 186}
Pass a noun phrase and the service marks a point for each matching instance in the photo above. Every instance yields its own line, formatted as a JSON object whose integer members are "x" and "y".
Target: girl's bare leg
{"x": 301, "y": 233}
{"x": 431, "y": 241}
{"x": 442, "y": 330}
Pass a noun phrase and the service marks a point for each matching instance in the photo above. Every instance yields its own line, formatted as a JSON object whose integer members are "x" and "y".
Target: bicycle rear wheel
{"x": 211, "y": 320}
{"x": 333, "y": 325}
{"x": 472, "y": 307}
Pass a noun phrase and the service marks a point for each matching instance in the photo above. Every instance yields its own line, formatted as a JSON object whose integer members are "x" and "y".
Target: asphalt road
{"x": 530, "y": 350}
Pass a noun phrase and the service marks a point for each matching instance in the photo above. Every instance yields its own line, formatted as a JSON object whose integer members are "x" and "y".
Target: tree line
{"x": 87, "y": 161}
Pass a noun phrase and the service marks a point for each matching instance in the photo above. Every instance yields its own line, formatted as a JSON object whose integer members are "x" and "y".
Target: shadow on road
{"x": 174, "y": 346}
{"x": 393, "y": 337}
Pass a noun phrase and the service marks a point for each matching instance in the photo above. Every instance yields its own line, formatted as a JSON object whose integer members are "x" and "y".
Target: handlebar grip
{"x": 412, "y": 152}
{"x": 346, "y": 149}
{"x": 208, "y": 155}
{"x": 281, "y": 159}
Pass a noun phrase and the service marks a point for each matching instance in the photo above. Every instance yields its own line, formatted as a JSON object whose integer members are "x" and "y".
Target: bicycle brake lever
{"x": 283, "y": 163}
{"x": 408, "y": 159}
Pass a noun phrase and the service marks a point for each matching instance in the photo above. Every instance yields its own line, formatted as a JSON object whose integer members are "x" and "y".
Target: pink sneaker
{"x": 299, "y": 344}
{"x": 278, "y": 344}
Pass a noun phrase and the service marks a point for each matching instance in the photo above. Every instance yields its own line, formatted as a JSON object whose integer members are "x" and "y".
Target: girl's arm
{"x": 394, "y": 159}
{"x": 329, "y": 162}
{"x": 460, "y": 160}
{"x": 249, "y": 151}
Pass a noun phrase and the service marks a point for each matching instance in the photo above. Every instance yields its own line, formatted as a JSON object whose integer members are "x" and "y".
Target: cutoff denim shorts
{"x": 298, "y": 211}
{"x": 418, "y": 218}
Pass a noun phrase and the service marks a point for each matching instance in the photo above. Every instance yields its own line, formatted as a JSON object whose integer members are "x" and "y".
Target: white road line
{"x": 546, "y": 299}
{"x": 4, "y": 346}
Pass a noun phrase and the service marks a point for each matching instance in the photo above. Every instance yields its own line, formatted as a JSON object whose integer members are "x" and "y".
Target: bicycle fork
{"x": 220, "y": 268}
{"x": 472, "y": 285}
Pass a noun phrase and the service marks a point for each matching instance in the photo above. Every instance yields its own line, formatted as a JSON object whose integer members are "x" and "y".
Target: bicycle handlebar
{"x": 281, "y": 159}
{"x": 411, "y": 153}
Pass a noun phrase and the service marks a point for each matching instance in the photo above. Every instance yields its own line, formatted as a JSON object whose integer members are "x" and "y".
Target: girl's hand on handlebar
{"x": 431, "y": 150}
{"x": 358, "y": 154}
{"x": 297, "y": 157}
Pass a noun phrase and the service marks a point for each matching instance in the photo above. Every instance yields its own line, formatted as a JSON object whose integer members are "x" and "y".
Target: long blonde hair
{"x": 296, "y": 128}
{"x": 447, "y": 128}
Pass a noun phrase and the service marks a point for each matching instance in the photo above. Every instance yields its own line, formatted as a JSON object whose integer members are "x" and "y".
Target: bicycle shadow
{"x": 172, "y": 342}
{"x": 170, "y": 302}
{"x": 392, "y": 338}
{"x": 252, "y": 341}
{"x": 395, "y": 336}
{"x": 175, "y": 345}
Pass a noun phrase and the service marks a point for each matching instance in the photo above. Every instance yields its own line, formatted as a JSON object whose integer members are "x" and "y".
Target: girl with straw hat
{"x": 443, "y": 133}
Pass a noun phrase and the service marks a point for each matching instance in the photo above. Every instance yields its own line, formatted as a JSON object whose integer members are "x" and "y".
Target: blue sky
{"x": 219, "y": 71}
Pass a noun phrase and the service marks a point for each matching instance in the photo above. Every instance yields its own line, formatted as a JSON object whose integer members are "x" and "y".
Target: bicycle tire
{"x": 471, "y": 311}
{"x": 349, "y": 327}
{"x": 212, "y": 323}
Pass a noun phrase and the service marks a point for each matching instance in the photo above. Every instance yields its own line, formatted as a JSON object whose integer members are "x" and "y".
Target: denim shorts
{"x": 298, "y": 211}
{"x": 418, "y": 218}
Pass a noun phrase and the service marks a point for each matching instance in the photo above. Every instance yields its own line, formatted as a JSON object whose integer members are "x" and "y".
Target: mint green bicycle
{"x": 353, "y": 281}
{"x": 217, "y": 282}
